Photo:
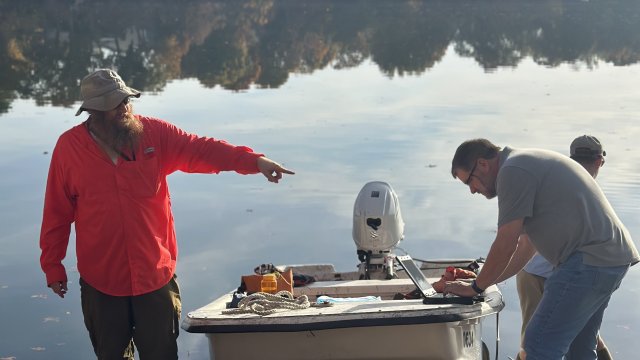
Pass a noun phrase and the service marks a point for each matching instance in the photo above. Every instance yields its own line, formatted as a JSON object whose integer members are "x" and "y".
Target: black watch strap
{"x": 476, "y": 288}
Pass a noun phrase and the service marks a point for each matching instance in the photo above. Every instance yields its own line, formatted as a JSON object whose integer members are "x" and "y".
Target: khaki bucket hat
{"x": 103, "y": 90}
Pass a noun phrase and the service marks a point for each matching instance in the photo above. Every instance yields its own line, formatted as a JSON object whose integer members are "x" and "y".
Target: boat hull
{"x": 452, "y": 340}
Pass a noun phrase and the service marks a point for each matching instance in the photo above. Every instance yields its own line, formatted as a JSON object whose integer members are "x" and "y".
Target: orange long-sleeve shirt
{"x": 125, "y": 237}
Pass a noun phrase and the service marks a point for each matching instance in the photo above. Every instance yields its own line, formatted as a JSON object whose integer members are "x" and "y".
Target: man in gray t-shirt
{"x": 569, "y": 221}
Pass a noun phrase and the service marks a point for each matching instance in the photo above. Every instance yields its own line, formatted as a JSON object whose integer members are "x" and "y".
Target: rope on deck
{"x": 264, "y": 303}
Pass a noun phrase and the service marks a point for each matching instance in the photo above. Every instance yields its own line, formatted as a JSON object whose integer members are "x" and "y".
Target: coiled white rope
{"x": 264, "y": 303}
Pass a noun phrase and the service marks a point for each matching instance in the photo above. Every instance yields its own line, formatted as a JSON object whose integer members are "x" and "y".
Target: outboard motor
{"x": 377, "y": 229}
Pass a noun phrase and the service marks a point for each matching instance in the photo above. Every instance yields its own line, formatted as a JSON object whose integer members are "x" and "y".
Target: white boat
{"x": 351, "y": 329}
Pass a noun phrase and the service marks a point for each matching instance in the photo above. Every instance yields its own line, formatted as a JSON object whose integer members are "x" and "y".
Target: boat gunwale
{"x": 255, "y": 323}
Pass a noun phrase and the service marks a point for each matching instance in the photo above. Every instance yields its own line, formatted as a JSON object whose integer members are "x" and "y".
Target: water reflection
{"x": 238, "y": 44}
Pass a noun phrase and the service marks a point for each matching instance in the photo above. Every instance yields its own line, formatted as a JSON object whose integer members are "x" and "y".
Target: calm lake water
{"x": 341, "y": 92}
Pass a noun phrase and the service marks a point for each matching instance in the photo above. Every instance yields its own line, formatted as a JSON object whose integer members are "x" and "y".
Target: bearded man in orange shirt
{"x": 108, "y": 177}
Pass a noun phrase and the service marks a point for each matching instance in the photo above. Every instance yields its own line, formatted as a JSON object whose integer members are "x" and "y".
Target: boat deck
{"x": 209, "y": 319}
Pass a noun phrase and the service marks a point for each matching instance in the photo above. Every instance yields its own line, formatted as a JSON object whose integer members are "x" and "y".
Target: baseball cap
{"x": 586, "y": 145}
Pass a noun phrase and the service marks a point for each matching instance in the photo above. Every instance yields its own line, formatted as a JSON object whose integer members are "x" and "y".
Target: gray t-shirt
{"x": 563, "y": 208}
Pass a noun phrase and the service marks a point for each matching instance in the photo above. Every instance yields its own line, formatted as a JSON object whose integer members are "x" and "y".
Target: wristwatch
{"x": 476, "y": 288}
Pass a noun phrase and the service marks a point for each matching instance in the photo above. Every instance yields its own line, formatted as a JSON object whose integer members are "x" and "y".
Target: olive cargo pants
{"x": 150, "y": 321}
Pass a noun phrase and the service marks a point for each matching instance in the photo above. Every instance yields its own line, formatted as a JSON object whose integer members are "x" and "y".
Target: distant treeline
{"x": 49, "y": 45}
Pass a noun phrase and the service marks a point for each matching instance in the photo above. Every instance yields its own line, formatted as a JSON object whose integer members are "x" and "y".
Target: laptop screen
{"x": 416, "y": 275}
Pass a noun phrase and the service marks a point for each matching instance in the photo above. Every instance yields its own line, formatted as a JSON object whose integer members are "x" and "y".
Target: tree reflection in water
{"x": 50, "y": 45}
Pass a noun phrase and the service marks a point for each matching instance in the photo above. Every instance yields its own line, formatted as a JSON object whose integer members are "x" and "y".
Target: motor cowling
{"x": 377, "y": 220}
{"x": 377, "y": 225}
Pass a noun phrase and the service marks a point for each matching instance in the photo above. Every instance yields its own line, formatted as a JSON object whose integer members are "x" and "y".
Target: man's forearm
{"x": 500, "y": 254}
{"x": 496, "y": 263}
{"x": 520, "y": 258}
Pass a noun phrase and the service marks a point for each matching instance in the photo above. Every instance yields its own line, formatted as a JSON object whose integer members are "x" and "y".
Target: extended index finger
{"x": 286, "y": 171}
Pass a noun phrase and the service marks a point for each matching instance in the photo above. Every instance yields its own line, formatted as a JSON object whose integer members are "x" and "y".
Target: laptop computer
{"x": 429, "y": 294}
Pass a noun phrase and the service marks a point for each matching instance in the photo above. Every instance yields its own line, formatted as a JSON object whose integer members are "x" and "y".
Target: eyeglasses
{"x": 124, "y": 102}
{"x": 471, "y": 173}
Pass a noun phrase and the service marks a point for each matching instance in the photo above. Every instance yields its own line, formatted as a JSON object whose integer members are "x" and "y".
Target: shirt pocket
{"x": 140, "y": 178}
